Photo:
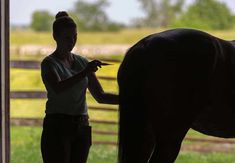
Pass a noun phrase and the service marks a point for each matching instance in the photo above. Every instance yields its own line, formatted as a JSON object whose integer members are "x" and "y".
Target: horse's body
{"x": 170, "y": 82}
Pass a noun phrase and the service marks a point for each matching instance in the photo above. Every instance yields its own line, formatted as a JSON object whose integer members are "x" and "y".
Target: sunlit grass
{"x": 25, "y": 148}
{"x": 22, "y": 79}
{"x": 126, "y": 36}
{"x": 45, "y": 38}
{"x": 35, "y": 108}
{"x": 27, "y": 108}
{"x": 194, "y": 157}
{"x": 30, "y": 37}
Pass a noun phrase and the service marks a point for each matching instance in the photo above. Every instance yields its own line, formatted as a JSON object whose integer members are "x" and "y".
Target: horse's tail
{"x": 131, "y": 118}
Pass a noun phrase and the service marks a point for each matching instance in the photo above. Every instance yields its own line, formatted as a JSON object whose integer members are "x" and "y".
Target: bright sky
{"x": 119, "y": 10}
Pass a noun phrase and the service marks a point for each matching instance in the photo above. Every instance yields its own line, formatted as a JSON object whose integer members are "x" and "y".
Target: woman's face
{"x": 66, "y": 39}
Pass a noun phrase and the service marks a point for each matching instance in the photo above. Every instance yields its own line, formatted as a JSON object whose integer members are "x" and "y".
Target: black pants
{"x": 65, "y": 139}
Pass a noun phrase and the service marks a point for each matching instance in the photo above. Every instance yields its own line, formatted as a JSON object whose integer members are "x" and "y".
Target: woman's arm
{"x": 59, "y": 85}
{"x": 98, "y": 93}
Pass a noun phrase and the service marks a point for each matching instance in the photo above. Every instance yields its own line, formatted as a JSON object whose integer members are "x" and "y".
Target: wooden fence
{"x": 225, "y": 145}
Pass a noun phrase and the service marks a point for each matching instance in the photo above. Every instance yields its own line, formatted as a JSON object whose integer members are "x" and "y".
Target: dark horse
{"x": 170, "y": 82}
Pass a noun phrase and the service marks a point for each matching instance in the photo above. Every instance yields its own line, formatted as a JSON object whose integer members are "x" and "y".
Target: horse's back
{"x": 177, "y": 50}
{"x": 182, "y": 50}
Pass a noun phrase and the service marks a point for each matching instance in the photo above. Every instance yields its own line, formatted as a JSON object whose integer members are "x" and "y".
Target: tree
{"x": 160, "y": 13}
{"x": 41, "y": 21}
{"x": 207, "y": 14}
{"x": 92, "y": 17}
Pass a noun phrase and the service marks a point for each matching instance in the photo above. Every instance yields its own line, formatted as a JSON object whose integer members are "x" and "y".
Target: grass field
{"x": 25, "y": 147}
{"x": 127, "y": 36}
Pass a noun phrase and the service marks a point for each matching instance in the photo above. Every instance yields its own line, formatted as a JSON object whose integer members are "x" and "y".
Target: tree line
{"x": 91, "y": 16}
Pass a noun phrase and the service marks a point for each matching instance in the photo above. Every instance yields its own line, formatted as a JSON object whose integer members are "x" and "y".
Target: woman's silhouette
{"x": 66, "y": 135}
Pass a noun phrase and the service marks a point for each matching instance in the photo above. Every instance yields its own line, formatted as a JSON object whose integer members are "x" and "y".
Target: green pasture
{"x": 126, "y": 36}
{"x": 45, "y": 38}
{"x": 25, "y": 148}
{"x": 25, "y": 141}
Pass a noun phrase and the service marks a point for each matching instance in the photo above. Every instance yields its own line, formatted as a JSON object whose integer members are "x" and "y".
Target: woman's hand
{"x": 93, "y": 66}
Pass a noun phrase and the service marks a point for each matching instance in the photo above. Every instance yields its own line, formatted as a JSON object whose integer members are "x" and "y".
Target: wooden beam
{"x": 4, "y": 82}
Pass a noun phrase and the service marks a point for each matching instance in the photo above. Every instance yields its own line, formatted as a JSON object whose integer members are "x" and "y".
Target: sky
{"x": 119, "y": 10}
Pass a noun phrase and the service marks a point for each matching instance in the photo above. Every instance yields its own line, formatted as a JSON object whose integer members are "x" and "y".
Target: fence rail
{"x": 38, "y": 122}
{"x": 30, "y": 94}
{"x": 31, "y": 64}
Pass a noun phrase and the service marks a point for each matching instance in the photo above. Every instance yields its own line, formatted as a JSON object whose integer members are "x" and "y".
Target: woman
{"x": 66, "y": 135}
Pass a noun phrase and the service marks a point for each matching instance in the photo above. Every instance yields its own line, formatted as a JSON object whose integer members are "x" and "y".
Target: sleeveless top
{"x": 72, "y": 101}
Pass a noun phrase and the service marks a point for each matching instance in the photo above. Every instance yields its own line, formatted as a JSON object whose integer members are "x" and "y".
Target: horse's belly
{"x": 218, "y": 118}
{"x": 216, "y": 121}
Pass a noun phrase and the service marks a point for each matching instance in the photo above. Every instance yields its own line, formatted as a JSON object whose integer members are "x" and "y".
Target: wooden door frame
{"x": 4, "y": 82}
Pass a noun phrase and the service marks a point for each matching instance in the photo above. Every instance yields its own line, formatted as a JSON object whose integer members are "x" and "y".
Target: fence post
{"x": 4, "y": 82}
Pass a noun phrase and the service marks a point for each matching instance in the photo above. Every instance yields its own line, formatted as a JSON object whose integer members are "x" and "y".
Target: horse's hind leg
{"x": 172, "y": 120}
{"x": 168, "y": 139}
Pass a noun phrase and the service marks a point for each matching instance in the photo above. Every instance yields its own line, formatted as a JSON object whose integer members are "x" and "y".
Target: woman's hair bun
{"x": 61, "y": 14}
